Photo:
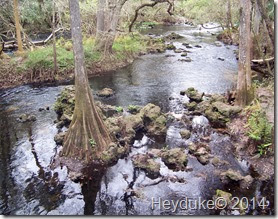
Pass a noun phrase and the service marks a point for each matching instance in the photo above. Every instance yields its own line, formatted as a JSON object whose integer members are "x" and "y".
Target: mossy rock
{"x": 113, "y": 153}
{"x": 226, "y": 109}
{"x": 150, "y": 112}
{"x": 134, "y": 122}
{"x": 178, "y": 50}
{"x": 114, "y": 125}
{"x": 216, "y": 118}
{"x": 106, "y": 92}
{"x": 232, "y": 175}
{"x": 173, "y": 36}
{"x": 225, "y": 195}
{"x": 148, "y": 164}
{"x": 193, "y": 94}
{"x": 185, "y": 134}
{"x": 65, "y": 102}
{"x": 191, "y": 106}
{"x": 158, "y": 127}
{"x": 170, "y": 46}
{"x": 175, "y": 159}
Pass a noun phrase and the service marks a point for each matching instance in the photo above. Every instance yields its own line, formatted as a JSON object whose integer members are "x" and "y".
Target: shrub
{"x": 259, "y": 129}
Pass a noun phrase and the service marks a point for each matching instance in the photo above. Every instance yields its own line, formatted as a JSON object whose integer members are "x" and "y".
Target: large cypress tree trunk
{"x": 87, "y": 136}
{"x": 244, "y": 83}
{"x": 108, "y": 14}
{"x": 17, "y": 26}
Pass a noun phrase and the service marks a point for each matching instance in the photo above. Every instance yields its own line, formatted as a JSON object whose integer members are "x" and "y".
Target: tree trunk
{"x": 244, "y": 83}
{"x": 87, "y": 136}
{"x": 54, "y": 40}
{"x": 17, "y": 26}
{"x": 267, "y": 20}
{"x": 108, "y": 14}
{"x": 256, "y": 19}
{"x": 229, "y": 15}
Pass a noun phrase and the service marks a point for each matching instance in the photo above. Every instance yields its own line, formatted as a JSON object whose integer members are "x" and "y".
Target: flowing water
{"x": 29, "y": 186}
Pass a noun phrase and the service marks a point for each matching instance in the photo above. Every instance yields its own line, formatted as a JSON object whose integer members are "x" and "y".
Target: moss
{"x": 174, "y": 159}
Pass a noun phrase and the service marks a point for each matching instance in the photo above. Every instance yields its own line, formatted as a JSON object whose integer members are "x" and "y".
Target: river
{"x": 29, "y": 186}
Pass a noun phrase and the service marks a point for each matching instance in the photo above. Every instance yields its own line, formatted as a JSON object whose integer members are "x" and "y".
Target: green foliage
{"x": 119, "y": 109}
{"x": 92, "y": 142}
{"x": 132, "y": 107}
{"x": 270, "y": 9}
{"x": 43, "y": 58}
{"x": 129, "y": 43}
{"x": 259, "y": 129}
{"x": 204, "y": 11}
{"x": 146, "y": 24}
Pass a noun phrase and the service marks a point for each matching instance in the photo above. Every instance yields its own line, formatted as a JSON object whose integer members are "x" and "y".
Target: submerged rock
{"x": 105, "y": 92}
{"x": 175, "y": 159}
{"x": 178, "y": 51}
{"x": 59, "y": 138}
{"x": 184, "y": 54}
{"x": 187, "y": 59}
{"x": 27, "y": 118}
{"x": 185, "y": 44}
{"x": 173, "y": 36}
{"x": 201, "y": 151}
{"x": 170, "y": 46}
{"x": 232, "y": 175}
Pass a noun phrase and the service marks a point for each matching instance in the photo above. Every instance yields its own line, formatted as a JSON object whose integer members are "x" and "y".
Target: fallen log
{"x": 262, "y": 60}
{"x": 12, "y": 44}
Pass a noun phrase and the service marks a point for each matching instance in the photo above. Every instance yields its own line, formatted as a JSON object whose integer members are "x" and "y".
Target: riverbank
{"x": 36, "y": 66}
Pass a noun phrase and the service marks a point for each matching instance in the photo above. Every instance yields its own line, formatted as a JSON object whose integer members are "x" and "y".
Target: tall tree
{"x": 263, "y": 11}
{"x": 87, "y": 136}
{"x": 17, "y": 26}
{"x": 54, "y": 38}
{"x": 229, "y": 15}
{"x": 108, "y": 14}
{"x": 244, "y": 83}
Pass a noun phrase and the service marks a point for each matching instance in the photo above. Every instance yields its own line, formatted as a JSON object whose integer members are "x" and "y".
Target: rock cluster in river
{"x": 123, "y": 128}
{"x": 214, "y": 107}
{"x": 175, "y": 159}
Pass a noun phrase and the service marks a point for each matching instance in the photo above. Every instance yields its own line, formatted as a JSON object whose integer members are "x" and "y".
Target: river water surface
{"x": 29, "y": 186}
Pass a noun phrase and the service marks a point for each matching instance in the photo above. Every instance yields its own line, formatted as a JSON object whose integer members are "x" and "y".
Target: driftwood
{"x": 263, "y": 66}
{"x": 262, "y": 60}
{"x": 41, "y": 42}
{"x": 12, "y": 44}
{"x": 209, "y": 27}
